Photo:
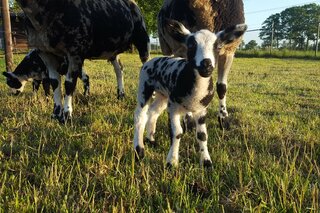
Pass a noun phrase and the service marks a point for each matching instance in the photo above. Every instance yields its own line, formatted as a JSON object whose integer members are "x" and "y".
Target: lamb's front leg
{"x": 175, "y": 135}
{"x": 74, "y": 71}
{"x": 202, "y": 138}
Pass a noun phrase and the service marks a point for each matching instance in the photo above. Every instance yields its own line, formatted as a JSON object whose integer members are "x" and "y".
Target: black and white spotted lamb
{"x": 32, "y": 68}
{"x": 181, "y": 85}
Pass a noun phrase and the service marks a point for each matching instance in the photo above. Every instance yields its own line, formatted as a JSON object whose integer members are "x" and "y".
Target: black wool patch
{"x": 221, "y": 90}
{"x": 202, "y": 136}
{"x": 147, "y": 92}
{"x": 54, "y": 83}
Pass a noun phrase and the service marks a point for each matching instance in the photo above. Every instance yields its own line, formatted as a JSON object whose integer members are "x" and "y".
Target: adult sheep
{"x": 83, "y": 29}
{"x": 214, "y": 15}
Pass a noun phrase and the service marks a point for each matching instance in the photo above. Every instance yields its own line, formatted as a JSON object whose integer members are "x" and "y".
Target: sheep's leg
{"x": 52, "y": 65}
{"x": 175, "y": 135}
{"x": 202, "y": 138}
{"x": 188, "y": 122}
{"x": 35, "y": 85}
{"x": 86, "y": 82}
{"x": 46, "y": 86}
{"x": 224, "y": 65}
{"x": 160, "y": 103}
{"x": 74, "y": 71}
{"x": 140, "y": 116}
{"x": 119, "y": 73}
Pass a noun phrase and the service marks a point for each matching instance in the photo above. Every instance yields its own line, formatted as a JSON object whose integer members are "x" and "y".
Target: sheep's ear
{"x": 177, "y": 30}
{"x": 231, "y": 33}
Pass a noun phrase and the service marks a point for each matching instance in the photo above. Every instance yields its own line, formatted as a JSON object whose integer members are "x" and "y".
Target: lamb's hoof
{"x": 86, "y": 93}
{"x": 139, "y": 153}
{"x": 66, "y": 117}
{"x": 121, "y": 95}
{"x": 207, "y": 164}
{"x": 150, "y": 142}
{"x": 223, "y": 123}
{"x": 169, "y": 166}
{"x": 58, "y": 118}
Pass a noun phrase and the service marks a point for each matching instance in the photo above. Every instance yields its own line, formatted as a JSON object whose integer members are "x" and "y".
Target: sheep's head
{"x": 201, "y": 44}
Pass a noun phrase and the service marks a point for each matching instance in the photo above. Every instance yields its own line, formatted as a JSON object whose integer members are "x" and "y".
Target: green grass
{"x": 282, "y": 53}
{"x": 268, "y": 161}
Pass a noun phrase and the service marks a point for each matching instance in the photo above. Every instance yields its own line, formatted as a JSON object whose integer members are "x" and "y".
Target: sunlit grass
{"x": 268, "y": 161}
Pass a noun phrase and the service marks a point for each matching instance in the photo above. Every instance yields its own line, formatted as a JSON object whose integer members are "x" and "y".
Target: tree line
{"x": 293, "y": 28}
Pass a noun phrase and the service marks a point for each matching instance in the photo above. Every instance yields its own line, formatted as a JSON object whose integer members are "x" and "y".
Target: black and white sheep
{"x": 214, "y": 15}
{"x": 83, "y": 29}
{"x": 32, "y": 68}
{"x": 181, "y": 85}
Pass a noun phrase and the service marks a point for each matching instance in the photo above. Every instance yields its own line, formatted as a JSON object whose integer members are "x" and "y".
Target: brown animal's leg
{"x": 224, "y": 65}
{"x": 74, "y": 71}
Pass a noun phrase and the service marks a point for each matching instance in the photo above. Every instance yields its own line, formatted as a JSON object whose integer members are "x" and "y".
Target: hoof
{"x": 66, "y": 117}
{"x": 139, "y": 153}
{"x": 169, "y": 166}
{"x": 58, "y": 118}
{"x": 207, "y": 164}
{"x": 150, "y": 142}
{"x": 121, "y": 95}
{"x": 86, "y": 93}
{"x": 223, "y": 123}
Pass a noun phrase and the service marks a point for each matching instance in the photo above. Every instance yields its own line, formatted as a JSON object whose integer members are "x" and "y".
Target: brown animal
{"x": 214, "y": 15}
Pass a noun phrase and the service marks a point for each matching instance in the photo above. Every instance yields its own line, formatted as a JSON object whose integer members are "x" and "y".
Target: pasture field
{"x": 268, "y": 160}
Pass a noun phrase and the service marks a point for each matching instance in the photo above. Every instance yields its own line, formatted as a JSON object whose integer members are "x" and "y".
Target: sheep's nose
{"x": 207, "y": 64}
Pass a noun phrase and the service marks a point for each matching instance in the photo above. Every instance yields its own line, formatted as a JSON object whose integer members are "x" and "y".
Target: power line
{"x": 277, "y": 8}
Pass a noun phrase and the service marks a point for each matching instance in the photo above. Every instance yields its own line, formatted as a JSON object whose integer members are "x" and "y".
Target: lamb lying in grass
{"x": 182, "y": 86}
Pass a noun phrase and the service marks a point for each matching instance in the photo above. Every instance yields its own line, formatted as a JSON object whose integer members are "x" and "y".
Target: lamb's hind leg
{"x": 140, "y": 116}
{"x": 202, "y": 138}
{"x": 224, "y": 65}
{"x": 156, "y": 108}
{"x": 118, "y": 68}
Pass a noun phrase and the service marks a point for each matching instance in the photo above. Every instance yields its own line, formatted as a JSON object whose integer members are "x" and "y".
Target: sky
{"x": 257, "y": 11}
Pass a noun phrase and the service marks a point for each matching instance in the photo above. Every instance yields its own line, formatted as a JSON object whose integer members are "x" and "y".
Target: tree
{"x": 150, "y": 10}
{"x": 272, "y": 23}
{"x": 296, "y": 25}
{"x": 251, "y": 45}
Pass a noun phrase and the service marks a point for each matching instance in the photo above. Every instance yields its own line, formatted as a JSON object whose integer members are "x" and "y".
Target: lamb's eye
{"x": 192, "y": 43}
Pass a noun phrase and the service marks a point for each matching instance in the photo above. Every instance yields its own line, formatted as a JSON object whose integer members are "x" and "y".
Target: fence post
{"x": 272, "y": 35}
{"x": 7, "y": 35}
{"x": 317, "y": 40}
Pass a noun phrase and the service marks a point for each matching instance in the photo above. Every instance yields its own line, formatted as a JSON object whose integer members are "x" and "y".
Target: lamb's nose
{"x": 207, "y": 64}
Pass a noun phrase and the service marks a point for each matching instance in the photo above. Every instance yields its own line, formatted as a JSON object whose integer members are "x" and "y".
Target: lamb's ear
{"x": 231, "y": 33}
{"x": 7, "y": 74}
{"x": 177, "y": 30}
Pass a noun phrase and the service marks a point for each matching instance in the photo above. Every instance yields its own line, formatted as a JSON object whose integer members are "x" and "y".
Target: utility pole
{"x": 272, "y": 35}
{"x": 317, "y": 40}
{"x": 7, "y": 35}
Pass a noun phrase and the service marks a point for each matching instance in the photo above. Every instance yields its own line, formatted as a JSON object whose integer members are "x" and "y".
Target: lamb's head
{"x": 14, "y": 82}
{"x": 202, "y": 45}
